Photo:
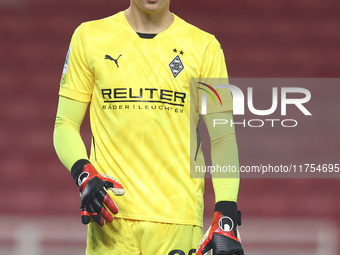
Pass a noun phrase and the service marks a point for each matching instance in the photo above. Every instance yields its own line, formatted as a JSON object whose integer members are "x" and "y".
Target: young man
{"x": 135, "y": 69}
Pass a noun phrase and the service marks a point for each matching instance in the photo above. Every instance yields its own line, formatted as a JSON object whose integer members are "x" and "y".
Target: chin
{"x": 152, "y": 5}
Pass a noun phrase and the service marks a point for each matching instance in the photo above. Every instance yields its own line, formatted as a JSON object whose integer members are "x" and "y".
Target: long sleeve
{"x": 224, "y": 152}
{"x": 67, "y": 140}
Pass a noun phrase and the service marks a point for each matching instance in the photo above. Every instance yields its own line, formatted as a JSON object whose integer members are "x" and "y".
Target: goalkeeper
{"x": 133, "y": 70}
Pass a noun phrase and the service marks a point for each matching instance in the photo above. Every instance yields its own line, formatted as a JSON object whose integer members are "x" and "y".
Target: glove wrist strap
{"x": 77, "y": 169}
{"x": 228, "y": 208}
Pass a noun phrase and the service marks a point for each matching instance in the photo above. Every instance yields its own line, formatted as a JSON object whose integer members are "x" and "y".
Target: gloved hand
{"x": 223, "y": 236}
{"x": 93, "y": 192}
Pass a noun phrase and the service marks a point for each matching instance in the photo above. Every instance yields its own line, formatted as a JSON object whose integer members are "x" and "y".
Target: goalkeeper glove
{"x": 93, "y": 192}
{"x": 222, "y": 236}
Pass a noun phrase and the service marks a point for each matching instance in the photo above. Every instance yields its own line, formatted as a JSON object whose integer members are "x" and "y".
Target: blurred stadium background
{"x": 39, "y": 201}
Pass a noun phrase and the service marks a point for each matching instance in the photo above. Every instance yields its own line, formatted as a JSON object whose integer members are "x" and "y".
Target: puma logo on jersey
{"x": 112, "y": 59}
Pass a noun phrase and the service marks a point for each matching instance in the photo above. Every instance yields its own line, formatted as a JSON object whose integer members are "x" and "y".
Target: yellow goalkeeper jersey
{"x": 141, "y": 100}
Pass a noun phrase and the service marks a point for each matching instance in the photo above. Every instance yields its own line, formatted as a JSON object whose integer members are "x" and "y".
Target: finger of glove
{"x": 100, "y": 209}
{"x": 204, "y": 241}
{"x": 114, "y": 185}
{"x": 237, "y": 233}
{"x": 111, "y": 204}
{"x": 204, "y": 248}
{"x": 85, "y": 215}
{"x": 96, "y": 216}
{"x": 118, "y": 191}
{"x": 107, "y": 200}
{"x": 207, "y": 247}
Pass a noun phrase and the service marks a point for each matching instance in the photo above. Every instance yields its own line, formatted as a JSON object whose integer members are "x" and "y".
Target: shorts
{"x": 142, "y": 238}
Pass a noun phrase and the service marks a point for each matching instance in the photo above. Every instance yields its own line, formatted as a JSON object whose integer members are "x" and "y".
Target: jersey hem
{"x": 179, "y": 222}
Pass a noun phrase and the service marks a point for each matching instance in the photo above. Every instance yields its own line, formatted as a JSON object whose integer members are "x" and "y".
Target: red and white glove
{"x": 222, "y": 236}
{"x": 93, "y": 192}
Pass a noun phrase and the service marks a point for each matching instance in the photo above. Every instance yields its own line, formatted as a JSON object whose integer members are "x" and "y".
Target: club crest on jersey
{"x": 82, "y": 178}
{"x": 176, "y": 66}
{"x": 226, "y": 224}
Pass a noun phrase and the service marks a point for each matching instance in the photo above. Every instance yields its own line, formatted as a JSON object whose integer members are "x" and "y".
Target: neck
{"x": 151, "y": 22}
